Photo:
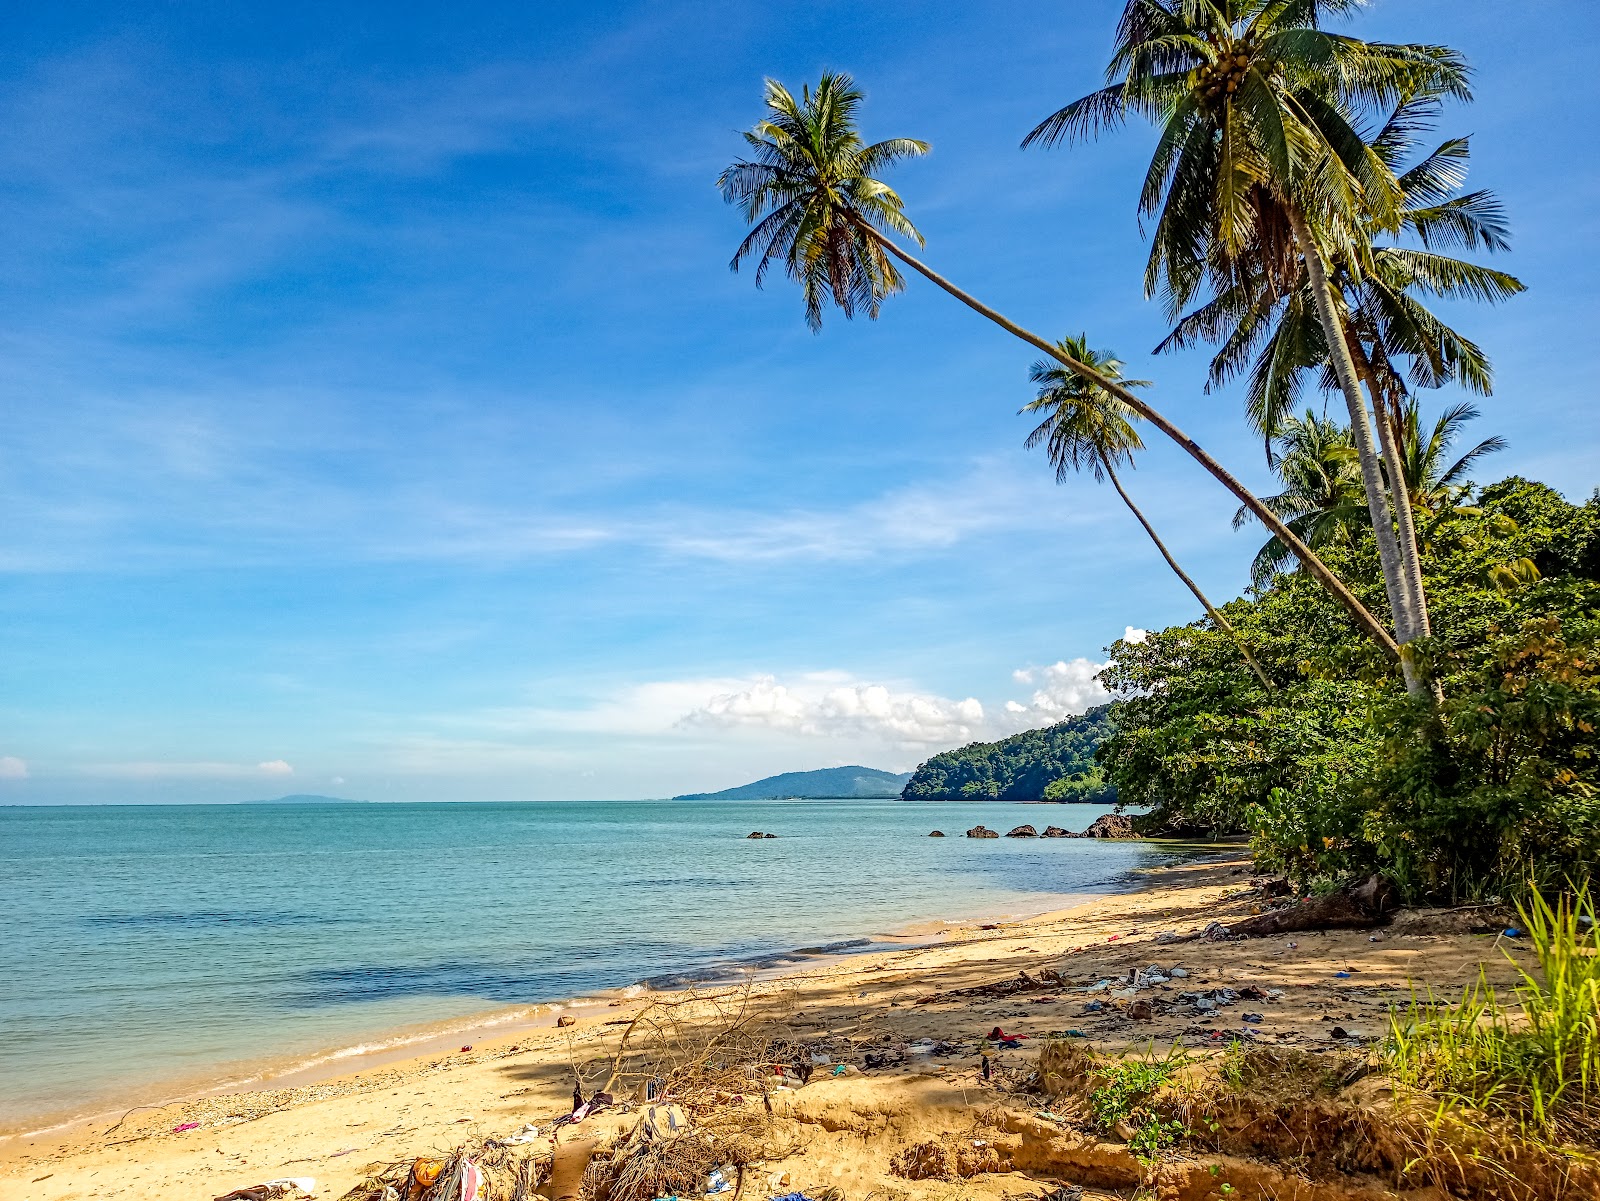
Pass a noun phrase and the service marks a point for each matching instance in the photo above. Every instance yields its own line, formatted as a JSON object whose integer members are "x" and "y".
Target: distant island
{"x": 856, "y": 783}
{"x": 306, "y": 798}
{"x": 1053, "y": 764}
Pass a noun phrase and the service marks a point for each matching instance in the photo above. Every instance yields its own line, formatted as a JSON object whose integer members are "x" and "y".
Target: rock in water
{"x": 755, "y": 834}
{"x": 982, "y": 831}
{"x": 936, "y": 834}
{"x": 1110, "y": 825}
{"x": 1023, "y": 832}
{"x": 1055, "y": 832}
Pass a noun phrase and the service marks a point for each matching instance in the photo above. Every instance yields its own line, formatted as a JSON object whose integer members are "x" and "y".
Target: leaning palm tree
{"x": 1260, "y": 168}
{"x": 1395, "y": 341}
{"x": 1322, "y": 499}
{"x": 815, "y": 206}
{"x": 1086, "y": 428}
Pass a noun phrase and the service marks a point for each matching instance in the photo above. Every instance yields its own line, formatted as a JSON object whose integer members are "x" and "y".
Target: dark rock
{"x": 1023, "y": 832}
{"x": 936, "y": 834}
{"x": 1110, "y": 825}
{"x": 982, "y": 831}
{"x": 769, "y": 836}
{"x": 755, "y": 834}
{"x": 1055, "y": 832}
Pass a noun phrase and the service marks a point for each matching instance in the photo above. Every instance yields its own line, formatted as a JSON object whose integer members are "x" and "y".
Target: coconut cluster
{"x": 1215, "y": 81}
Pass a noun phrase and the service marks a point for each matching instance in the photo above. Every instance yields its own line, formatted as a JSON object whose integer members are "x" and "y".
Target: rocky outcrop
{"x": 982, "y": 831}
{"x": 1023, "y": 832}
{"x": 759, "y": 834}
{"x": 1055, "y": 832}
{"x": 936, "y": 834}
{"x": 1110, "y": 825}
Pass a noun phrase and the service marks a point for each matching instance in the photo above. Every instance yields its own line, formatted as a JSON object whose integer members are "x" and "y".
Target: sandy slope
{"x": 332, "y": 1130}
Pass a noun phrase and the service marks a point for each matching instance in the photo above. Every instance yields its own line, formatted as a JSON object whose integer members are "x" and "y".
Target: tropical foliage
{"x": 1335, "y": 772}
{"x": 1056, "y": 763}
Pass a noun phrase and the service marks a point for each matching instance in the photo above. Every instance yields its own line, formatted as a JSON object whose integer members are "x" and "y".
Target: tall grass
{"x": 1536, "y": 1061}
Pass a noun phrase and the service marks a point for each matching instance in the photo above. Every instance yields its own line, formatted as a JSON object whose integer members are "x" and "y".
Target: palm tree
{"x": 808, "y": 192}
{"x": 1322, "y": 498}
{"x": 1085, "y": 427}
{"x": 1259, "y": 168}
{"x": 1433, "y": 485}
{"x": 1393, "y": 337}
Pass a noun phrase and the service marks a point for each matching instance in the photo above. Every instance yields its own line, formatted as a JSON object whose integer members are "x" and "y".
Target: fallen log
{"x": 1354, "y": 907}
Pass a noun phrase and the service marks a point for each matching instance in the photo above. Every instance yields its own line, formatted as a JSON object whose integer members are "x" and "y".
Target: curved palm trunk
{"x": 1400, "y": 496}
{"x": 1401, "y": 607}
{"x": 1369, "y": 624}
{"x": 1221, "y": 621}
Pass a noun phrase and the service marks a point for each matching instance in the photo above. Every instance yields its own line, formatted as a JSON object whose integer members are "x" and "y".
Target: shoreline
{"x": 951, "y": 991}
{"x": 398, "y": 1045}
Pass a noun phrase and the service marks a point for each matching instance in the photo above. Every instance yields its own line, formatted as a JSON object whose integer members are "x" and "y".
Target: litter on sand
{"x": 273, "y": 1190}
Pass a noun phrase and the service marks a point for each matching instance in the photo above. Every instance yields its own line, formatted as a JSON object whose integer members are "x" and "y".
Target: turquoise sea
{"x": 153, "y": 948}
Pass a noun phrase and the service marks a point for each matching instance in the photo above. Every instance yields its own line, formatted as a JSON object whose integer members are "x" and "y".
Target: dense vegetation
{"x": 1335, "y": 770}
{"x": 1054, "y": 764}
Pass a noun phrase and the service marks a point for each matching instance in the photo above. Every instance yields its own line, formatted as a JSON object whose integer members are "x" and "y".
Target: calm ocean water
{"x": 153, "y": 945}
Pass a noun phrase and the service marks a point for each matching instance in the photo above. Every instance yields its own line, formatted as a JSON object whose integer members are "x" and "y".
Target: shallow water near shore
{"x": 154, "y": 947}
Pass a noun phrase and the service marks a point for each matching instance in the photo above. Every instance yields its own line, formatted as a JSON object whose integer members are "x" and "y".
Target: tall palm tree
{"x": 1086, "y": 428}
{"x": 1394, "y": 339}
{"x": 1259, "y": 167}
{"x": 1322, "y": 498}
{"x": 809, "y": 194}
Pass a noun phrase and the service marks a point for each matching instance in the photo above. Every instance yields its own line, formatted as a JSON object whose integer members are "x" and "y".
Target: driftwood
{"x": 1353, "y": 907}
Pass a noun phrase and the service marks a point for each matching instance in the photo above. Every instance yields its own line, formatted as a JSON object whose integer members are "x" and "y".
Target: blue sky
{"x": 381, "y": 418}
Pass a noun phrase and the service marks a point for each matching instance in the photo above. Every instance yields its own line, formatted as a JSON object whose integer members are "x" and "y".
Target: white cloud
{"x": 275, "y": 767}
{"x": 1134, "y": 636}
{"x": 1064, "y": 688}
{"x": 819, "y": 705}
{"x": 12, "y": 768}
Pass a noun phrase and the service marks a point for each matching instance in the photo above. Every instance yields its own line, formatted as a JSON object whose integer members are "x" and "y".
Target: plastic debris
{"x": 1179, "y": 973}
{"x": 273, "y": 1190}
{"x": 1341, "y": 975}
{"x": 1254, "y": 1017}
{"x": 183, "y": 1126}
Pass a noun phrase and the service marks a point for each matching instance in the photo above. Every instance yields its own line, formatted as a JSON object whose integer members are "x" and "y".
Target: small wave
{"x": 204, "y": 919}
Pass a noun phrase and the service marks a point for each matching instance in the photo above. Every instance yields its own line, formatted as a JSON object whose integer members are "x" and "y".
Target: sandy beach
{"x": 1311, "y": 987}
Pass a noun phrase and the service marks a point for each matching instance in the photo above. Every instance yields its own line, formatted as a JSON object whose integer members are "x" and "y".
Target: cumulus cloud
{"x": 275, "y": 767}
{"x": 1061, "y": 689}
{"x": 826, "y": 706}
{"x": 12, "y": 768}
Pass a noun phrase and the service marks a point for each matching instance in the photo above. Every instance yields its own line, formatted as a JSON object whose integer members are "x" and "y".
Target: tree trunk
{"x": 1368, "y": 624}
{"x": 1401, "y": 608}
{"x": 1218, "y": 618}
{"x": 1400, "y": 494}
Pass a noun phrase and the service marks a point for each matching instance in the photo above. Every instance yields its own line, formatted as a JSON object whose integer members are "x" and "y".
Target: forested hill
{"x": 862, "y": 782}
{"x": 1052, "y": 764}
